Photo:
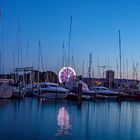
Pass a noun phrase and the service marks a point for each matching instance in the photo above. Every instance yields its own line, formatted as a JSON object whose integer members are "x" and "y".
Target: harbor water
{"x": 31, "y": 118}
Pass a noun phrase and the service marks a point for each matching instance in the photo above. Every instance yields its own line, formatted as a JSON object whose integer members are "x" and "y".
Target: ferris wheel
{"x": 66, "y": 73}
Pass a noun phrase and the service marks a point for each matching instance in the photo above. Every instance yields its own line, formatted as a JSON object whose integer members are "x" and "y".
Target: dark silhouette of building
{"x": 110, "y": 78}
{"x": 52, "y": 77}
{"x": 48, "y": 76}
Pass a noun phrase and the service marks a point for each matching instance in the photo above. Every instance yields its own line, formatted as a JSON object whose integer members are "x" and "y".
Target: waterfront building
{"x": 109, "y": 82}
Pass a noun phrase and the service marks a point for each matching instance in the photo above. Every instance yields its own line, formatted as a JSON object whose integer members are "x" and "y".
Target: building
{"x": 110, "y": 79}
{"x": 110, "y": 76}
{"x": 47, "y": 76}
{"x": 24, "y": 75}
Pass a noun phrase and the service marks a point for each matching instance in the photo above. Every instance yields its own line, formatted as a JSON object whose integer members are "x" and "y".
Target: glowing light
{"x": 63, "y": 122}
{"x": 66, "y": 74}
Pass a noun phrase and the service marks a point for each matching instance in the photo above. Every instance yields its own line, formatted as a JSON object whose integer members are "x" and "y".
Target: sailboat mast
{"x": 90, "y": 65}
{"x": 40, "y": 57}
{"x": 117, "y": 71}
{"x": 38, "y": 62}
{"x": 120, "y": 54}
{"x": 18, "y": 50}
{"x": 27, "y": 54}
{"x": 69, "y": 41}
{"x": 83, "y": 72}
{"x": 0, "y": 62}
{"x": 127, "y": 70}
{"x": 63, "y": 51}
{"x": 137, "y": 67}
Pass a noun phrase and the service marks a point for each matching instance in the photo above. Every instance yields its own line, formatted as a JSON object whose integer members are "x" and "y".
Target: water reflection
{"x": 99, "y": 120}
{"x": 63, "y": 122}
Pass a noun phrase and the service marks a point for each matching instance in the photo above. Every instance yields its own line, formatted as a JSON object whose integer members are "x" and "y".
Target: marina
{"x": 69, "y": 70}
{"x": 73, "y": 89}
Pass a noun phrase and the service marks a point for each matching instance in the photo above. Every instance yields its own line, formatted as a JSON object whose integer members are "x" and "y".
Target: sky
{"x": 95, "y": 29}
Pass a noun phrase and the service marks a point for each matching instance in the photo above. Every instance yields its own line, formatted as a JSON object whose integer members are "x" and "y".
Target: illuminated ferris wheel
{"x": 66, "y": 74}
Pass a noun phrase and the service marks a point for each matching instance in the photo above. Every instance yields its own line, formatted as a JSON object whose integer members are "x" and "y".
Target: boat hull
{"x": 51, "y": 95}
{"x": 5, "y": 92}
{"x": 18, "y": 93}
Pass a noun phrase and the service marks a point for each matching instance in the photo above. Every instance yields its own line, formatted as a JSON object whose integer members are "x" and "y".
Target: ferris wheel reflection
{"x": 63, "y": 122}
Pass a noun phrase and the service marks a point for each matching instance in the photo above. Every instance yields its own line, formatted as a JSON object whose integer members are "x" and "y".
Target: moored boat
{"x": 72, "y": 85}
{"x": 50, "y": 90}
{"x": 104, "y": 91}
{"x": 5, "y": 89}
{"x": 18, "y": 92}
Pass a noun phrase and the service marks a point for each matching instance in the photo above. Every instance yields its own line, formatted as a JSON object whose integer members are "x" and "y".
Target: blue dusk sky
{"x": 95, "y": 29}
